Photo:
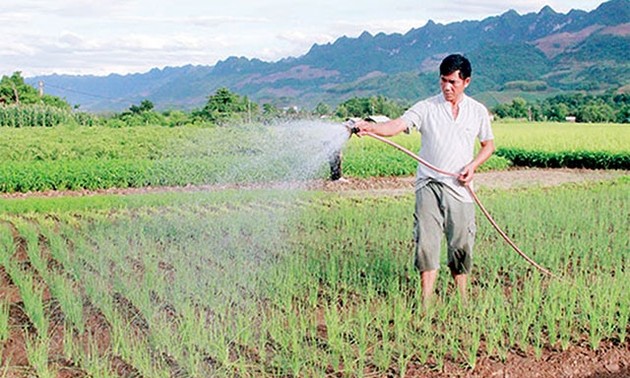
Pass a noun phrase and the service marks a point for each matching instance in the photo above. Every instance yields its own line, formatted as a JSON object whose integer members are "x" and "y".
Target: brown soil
{"x": 611, "y": 360}
{"x": 507, "y": 179}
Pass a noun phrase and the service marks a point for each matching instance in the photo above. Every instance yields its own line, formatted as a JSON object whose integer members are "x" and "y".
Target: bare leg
{"x": 460, "y": 282}
{"x": 428, "y": 281}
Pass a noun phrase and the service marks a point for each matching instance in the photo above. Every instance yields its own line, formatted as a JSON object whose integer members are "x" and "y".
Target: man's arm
{"x": 384, "y": 129}
{"x": 487, "y": 149}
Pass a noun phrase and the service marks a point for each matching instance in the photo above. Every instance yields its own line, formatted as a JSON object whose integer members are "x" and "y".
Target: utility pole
{"x": 16, "y": 94}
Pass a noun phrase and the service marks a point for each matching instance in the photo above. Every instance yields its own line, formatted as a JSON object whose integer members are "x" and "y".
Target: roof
{"x": 377, "y": 118}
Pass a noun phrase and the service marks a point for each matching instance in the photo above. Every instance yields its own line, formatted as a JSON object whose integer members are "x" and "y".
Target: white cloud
{"x": 94, "y": 36}
{"x": 88, "y": 8}
{"x": 215, "y": 21}
{"x": 70, "y": 39}
{"x": 455, "y": 9}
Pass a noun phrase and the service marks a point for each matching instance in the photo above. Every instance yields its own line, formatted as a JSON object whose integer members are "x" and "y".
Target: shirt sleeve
{"x": 485, "y": 131}
{"x": 413, "y": 116}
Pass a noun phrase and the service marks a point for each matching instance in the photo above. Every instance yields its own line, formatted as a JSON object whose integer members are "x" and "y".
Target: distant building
{"x": 570, "y": 119}
{"x": 377, "y": 118}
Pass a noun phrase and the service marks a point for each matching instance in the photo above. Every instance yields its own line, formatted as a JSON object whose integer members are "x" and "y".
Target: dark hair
{"x": 456, "y": 62}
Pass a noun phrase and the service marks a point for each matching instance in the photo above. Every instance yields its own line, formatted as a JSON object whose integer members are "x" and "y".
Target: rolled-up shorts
{"x": 438, "y": 213}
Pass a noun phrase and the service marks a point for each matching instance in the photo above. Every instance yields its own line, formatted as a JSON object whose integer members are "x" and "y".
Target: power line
{"x": 81, "y": 92}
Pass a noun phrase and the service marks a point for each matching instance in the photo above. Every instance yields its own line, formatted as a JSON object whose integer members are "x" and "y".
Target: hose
{"x": 475, "y": 198}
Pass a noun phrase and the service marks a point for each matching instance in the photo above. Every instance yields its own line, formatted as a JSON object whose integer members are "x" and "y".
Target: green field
{"x": 591, "y": 143}
{"x": 289, "y": 282}
{"x": 38, "y": 159}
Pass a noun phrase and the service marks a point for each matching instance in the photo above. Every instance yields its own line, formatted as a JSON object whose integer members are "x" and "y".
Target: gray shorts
{"x": 439, "y": 213}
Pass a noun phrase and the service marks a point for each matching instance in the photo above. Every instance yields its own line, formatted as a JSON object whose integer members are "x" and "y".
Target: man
{"x": 449, "y": 124}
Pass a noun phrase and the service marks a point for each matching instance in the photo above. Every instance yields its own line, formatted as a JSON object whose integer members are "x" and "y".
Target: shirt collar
{"x": 461, "y": 101}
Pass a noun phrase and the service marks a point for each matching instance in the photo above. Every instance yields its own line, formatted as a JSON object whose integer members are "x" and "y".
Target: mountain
{"x": 544, "y": 52}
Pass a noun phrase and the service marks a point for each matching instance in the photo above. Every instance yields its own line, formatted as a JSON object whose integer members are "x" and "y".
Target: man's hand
{"x": 466, "y": 175}
{"x": 364, "y": 127}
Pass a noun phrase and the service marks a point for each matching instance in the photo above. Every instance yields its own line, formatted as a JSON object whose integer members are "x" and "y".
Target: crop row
{"x": 566, "y": 159}
{"x": 285, "y": 285}
{"x": 17, "y": 116}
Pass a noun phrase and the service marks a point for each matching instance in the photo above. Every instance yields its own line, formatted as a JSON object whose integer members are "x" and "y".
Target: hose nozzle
{"x": 352, "y": 129}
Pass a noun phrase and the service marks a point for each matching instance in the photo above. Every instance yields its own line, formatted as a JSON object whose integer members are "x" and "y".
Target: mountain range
{"x": 530, "y": 55}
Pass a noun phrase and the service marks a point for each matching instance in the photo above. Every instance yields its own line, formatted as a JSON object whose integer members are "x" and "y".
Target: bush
{"x": 566, "y": 159}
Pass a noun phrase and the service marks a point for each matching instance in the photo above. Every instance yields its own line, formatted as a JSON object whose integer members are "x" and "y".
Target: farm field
{"x": 74, "y": 158}
{"x": 290, "y": 280}
{"x": 299, "y": 283}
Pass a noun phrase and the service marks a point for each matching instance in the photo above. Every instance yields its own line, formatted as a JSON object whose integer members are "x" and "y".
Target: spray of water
{"x": 201, "y": 273}
{"x": 286, "y": 157}
{"x": 286, "y": 154}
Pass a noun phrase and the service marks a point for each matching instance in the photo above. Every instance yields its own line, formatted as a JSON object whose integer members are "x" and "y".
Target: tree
{"x": 519, "y": 108}
{"x": 502, "y": 110}
{"x": 595, "y": 112}
{"x": 557, "y": 112}
{"x": 342, "y": 112}
{"x": 141, "y": 115}
{"x": 270, "y": 110}
{"x": 355, "y": 107}
{"x": 384, "y": 106}
{"x": 224, "y": 106}
{"x": 322, "y": 109}
{"x": 623, "y": 115}
{"x": 13, "y": 90}
{"x": 363, "y": 107}
{"x": 145, "y": 106}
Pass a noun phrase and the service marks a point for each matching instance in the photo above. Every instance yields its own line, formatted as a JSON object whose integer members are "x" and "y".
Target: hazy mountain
{"x": 542, "y": 52}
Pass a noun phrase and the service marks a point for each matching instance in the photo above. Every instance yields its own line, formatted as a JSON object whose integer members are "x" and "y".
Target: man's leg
{"x": 428, "y": 282}
{"x": 460, "y": 282}
{"x": 428, "y": 229}
{"x": 460, "y": 237}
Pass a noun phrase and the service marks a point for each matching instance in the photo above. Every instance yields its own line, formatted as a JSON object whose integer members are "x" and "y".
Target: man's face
{"x": 453, "y": 86}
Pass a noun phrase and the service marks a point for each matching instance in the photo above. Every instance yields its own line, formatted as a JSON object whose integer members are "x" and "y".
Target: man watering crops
{"x": 449, "y": 124}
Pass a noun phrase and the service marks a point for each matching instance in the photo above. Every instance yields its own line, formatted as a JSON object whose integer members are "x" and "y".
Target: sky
{"x": 96, "y": 37}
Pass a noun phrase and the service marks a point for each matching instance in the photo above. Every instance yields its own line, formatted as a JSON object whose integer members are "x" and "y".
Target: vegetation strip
{"x": 233, "y": 283}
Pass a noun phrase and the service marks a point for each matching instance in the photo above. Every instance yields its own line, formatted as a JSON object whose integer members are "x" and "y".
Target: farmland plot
{"x": 273, "y": 283}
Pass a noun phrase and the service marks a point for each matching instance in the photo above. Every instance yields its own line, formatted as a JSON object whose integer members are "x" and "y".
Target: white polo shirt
{"x": 448, "y": 143}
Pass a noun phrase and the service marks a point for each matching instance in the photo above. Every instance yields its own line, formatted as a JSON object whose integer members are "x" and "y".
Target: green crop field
{"x": 555, "y": 137}
{"x": 598, "y": 146}
{"x": 289, "y": 282}
{"x": 273, "y": 283}
{"x": 59, "y": 158}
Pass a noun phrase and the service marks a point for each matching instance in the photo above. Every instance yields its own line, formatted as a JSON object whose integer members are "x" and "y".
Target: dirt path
{"x": 514, "y": 178}
{"x": 508, "y": 179}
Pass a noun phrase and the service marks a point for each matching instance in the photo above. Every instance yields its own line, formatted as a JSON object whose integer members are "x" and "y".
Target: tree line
{"x": 226, "y": 107}
{"x": 577, "y": 107}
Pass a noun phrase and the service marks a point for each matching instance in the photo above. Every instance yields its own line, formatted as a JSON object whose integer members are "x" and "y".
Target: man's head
{"x": 454, "y": 63}
{"x": 455, "y": 71}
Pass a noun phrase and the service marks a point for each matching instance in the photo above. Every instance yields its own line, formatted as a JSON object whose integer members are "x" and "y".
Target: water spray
{"x": 352, "y": 129}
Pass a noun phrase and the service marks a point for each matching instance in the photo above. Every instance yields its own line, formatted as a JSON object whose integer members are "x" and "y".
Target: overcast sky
{"x": 127, "y": 36}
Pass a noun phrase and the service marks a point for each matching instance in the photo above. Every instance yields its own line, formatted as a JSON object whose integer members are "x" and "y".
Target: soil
{"x": 507, "y": 179}
{"x": 610, "y": 360}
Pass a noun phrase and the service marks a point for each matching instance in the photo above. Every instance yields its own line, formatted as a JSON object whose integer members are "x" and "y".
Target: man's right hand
{"x": 364, "y": 127}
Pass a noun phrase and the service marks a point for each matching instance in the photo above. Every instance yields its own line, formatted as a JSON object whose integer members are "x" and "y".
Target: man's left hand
{"x": 466, "y": 175}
